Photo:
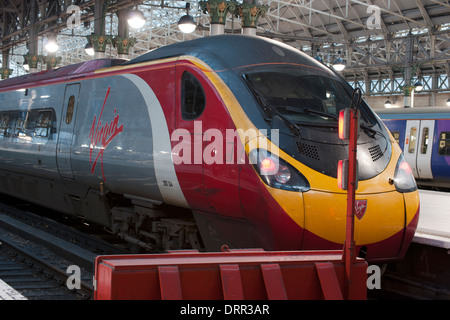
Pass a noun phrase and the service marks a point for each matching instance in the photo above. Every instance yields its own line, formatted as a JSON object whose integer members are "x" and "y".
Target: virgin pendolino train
{"x": 177, "y": 149}
{"x": 423, "y": 133}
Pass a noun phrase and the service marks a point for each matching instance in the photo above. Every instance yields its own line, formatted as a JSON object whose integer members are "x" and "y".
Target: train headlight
{"x": 277, "y": 173}
{"x": 404, "y": 179}
{"x": 283, "y": 175}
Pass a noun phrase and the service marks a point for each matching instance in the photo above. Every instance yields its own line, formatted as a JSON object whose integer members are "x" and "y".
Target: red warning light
{"x": 341, "y": 175}
{"x": 268, "y": 166}
{"x": 344, "y": 124}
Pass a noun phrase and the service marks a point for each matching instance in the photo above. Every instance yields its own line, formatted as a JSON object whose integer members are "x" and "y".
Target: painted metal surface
{"x": 233, "y": 275}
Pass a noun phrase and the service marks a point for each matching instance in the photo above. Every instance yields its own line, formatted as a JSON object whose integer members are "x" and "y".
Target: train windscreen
{"x": 306, "y": 96}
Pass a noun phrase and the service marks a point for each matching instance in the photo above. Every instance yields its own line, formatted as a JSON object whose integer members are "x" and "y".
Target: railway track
{"x": 38, "y": 256}
{"x": 401, "y": 286}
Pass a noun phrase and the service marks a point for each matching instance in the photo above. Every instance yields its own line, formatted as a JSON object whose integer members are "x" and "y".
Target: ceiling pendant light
{"x": 89, "y": 49}
{"x": 338, "y": 64}
{"x": 136, "y": 19}
{"x": 418, "y": 86}
{"x": 187, "y": 23}
{"x": 51, "y": 45}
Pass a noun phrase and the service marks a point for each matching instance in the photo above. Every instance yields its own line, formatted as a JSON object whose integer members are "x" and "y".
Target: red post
{"x": 349, "y": 254}
{"x": 350, "y": 132}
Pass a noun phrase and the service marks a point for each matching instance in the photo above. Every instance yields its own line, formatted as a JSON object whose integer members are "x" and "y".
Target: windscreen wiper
{"x": 320, "y": 113}
{"x": 266, "y": 106}
{"x": 369, "y": 131}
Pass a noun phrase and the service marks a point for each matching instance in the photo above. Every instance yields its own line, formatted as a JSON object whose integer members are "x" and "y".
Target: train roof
{"x": 66, "y": 71}
{"x": 225, "y": 52}
{"x": 221, "y": 52}
{"x": 414, "y": 113}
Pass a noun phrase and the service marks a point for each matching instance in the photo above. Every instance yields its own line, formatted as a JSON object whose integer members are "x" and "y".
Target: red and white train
{"x": 222, "y": 140}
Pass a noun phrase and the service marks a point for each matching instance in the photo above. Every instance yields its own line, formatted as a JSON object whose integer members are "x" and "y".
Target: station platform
{"x": 434, "y": 221}
{"x": 8, "y": 293}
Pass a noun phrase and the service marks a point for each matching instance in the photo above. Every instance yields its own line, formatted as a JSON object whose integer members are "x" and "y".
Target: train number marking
{"x": 101, "y": 135}
{"x": 167, "y": 183}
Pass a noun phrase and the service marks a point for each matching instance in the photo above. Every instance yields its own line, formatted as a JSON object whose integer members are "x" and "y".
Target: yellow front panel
{"x": 291, "y": 202}
{"x": 325, "y": 216}
{"x": 412, "y": 205}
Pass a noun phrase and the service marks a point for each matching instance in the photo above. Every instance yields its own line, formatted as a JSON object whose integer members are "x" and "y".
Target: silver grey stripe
{"x": 162, "y": 150}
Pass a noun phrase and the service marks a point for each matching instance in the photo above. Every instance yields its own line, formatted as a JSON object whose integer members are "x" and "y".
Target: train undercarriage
{"x": 146, "y": 226}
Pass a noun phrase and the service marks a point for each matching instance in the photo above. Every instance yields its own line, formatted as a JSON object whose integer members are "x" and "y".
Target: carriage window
{"x": 412, "y": 140}
{"x": 21, "y": 124}
{"x": 424, "y": 144}
{"x": 396, "y": 136}
{"x": 444, "y": 143}
{"x": 43, "y": 123}
{"x": 192, "y": 97}
{"x": 70, "y": 107}
{"x": 4, "y": 124}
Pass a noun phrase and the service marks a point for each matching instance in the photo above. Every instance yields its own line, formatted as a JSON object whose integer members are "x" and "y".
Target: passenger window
{"x": 43, "y": 123}
{"x": 192, "y": 97}
{"x": 412, "y": 140}
{"x": 444, "y": 143}
{"x": 4, "y": 124}
{"x": 396, "y": 135}
{"x": 70, "y": 107}
{"x": 21, "y": 124}
{"x": 424, "y": 144}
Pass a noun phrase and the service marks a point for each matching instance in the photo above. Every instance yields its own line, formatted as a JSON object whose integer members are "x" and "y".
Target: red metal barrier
{"x": 232, "y": 275}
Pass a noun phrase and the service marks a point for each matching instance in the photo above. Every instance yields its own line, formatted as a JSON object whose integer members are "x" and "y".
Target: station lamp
{"x": 187, "y": 23}
{"x": 388, "y": 104}
{"x": 51, "y": 45}
{"x": 418, "y": 86}
{"x": 448, "y": 103}
{"x": 338, "y": 64}
{"x": 136, "y": 19}
{"x": 89, "y": 49}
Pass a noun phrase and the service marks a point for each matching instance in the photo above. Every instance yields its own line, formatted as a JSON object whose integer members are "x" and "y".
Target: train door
{"x": 187, "y": 139}
{"x": 418, "y": 147}
{"x": 424, "y": 149}
{"x": 66, "y": 127}
{"x": 410, "y": 148}
{"x": 202, "y": 114}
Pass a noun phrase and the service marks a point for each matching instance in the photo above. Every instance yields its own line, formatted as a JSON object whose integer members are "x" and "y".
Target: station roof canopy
{"x": 371, "y": 34}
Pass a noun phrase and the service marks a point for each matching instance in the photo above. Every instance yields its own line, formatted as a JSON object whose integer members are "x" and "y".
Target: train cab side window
{"x": 412, "y": 140}
{"x": 424, "y": 143}
{"x": 70, "y": 107}
{"x": 444, "y": 143}
{"x": 43, "y": 125}
{"x": 192, "y": 97}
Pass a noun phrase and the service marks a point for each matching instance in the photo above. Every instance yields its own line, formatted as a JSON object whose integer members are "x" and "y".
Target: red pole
{"x": 349, "y": 254}
{"x": 349, "y": 249}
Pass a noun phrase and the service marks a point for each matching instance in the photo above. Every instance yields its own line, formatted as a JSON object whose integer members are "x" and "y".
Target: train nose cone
{"x": 380, "y": 219}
